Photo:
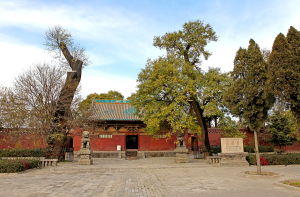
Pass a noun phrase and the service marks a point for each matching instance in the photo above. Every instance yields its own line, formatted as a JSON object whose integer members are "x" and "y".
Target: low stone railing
{"x": 48, "y": 162}
{"x": 214, "y": 160}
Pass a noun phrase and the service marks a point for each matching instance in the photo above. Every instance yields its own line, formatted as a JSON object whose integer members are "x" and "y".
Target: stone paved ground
{"x": 149, "y": 177}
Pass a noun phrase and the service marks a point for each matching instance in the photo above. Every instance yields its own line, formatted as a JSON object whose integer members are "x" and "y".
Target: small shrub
{"x": 265, "y": 149}
{"x": 277, "y": 159}
{"x": 264, "y": 161}
{"x": 249, "y": 149}
{"x": 215, "y": 149}
{"x": 262, "y": 149}
{"x": 34, "y": 164}
{"x": 9, "y": 166}
{"x": 22, "y": 153}
{"x": 25, "y": 164}
{"x": 251, "y": 159}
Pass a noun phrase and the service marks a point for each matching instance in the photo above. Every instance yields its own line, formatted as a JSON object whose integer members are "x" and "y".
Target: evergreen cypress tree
{"x": 285, "y": 69}
{"x": 293, "y": 38}
{"x": 248, "y": 96}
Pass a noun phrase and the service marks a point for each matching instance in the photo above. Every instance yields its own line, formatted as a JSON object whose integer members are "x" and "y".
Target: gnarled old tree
{"x": 173, "y": 82}
{"x": 74, "y": 58}
{"x": 189, "y": 44}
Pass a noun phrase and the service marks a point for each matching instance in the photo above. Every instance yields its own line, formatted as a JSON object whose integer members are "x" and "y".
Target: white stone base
{"x": 85, "y": 157}
{"x": 233, "y": 159}
{"x": 182, "y": 155}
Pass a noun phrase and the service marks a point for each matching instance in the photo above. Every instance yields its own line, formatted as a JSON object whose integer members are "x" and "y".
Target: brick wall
{"x": 26, "y": 140}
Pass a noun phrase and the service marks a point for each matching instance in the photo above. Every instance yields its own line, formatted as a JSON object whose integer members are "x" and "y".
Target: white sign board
{"x": 119, "y": 147}
{"x": 232, "y": 145}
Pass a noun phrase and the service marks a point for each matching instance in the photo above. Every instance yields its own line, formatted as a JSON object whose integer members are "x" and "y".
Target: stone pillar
{"x": 85, "y": 153}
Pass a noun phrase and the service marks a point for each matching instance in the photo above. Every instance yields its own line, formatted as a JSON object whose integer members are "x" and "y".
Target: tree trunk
{"x": 63, "y": 106}
{"x": 201, "y": 121}
{"x": 209, "y": 122}
{"x": 257, "y": 153}
{"x": 216, "y": 122}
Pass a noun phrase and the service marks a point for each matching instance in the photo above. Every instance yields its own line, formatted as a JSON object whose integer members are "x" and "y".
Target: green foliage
{"x": 56, "y": 138}
{"x": 277, "y": 159}
{"x": 22, "y": 152}
{"x": 248, "y": 96}
{"x": 285, "y": 69}
{"x": 283, "y": 128}
{"x": 10, "y": 166}
{"x": 167, "y": 85}
{"x": 230, "y": 128}
{"x": 263, "y": 149}
{"x": 215, "y": 149}
{"x": 249, "y": 149}
{"x": 110, "y": 95}
{"x": 188, "y": 43}
{"x": 163, "y": 95}
{"x": 210, "y": 92}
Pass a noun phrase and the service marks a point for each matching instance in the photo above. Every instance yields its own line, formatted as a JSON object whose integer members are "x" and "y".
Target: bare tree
{"x": 38, "y": 89}
{"x": 31, "y": 102}
{"x": 13, "y": 113}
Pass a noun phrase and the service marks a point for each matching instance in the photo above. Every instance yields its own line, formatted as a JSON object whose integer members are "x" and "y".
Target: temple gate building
{"x": 114, "y": 126}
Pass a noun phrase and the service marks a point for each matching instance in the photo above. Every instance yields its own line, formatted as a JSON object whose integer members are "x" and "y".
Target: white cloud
{"x": 114, "y": 27}
{"x": 126, "y": 33}
{"x": 127, "y": 36}
{"x": 99, "y": 82}
{"x": 16, "y": 58}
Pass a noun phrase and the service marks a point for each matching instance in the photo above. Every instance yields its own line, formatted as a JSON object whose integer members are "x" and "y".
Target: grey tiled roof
{"x": 113, "y": 110}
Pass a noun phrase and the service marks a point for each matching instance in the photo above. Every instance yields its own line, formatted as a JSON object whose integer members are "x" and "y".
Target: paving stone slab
{"x": 146, "y": 177}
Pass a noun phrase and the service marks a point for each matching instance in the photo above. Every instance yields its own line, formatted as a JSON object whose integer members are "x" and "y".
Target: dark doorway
{"x": 69, "y": 144}
{"x": 132, "y": 142}
{"x": 194, "y": 145}
{"x": 195, "y": 148}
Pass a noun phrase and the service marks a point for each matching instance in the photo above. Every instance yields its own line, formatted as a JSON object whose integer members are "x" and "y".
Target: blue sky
{"x": 118, "y": 34}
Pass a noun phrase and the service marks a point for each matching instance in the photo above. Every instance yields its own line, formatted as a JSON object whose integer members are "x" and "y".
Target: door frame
{"x": 137, "y": 137}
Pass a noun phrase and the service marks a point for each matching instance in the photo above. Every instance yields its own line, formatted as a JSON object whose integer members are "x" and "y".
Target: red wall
{"x": 147, "y": 142}
{"x": 107, "y": 144}
{"x": 295, "y": 147}
{"x": 25, "y": 140}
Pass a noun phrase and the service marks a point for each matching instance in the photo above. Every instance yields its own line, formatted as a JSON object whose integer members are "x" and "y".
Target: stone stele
{"x": 232, "y": 145}
{"x": 233, "y": 152}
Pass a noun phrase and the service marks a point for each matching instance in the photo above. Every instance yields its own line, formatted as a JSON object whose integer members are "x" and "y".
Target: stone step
{"x": 234, "y": 163}
{"x": 131, "y": 155}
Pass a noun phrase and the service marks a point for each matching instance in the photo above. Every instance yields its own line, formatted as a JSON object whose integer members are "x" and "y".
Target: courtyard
{"x": 148, "y": 178}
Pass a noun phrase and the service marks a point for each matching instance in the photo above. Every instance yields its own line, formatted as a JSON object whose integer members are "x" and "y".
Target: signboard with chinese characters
{"x": 232, "y": 145}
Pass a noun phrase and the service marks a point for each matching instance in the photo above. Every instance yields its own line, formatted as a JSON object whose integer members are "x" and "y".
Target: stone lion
{"x": 85, "y": 139}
